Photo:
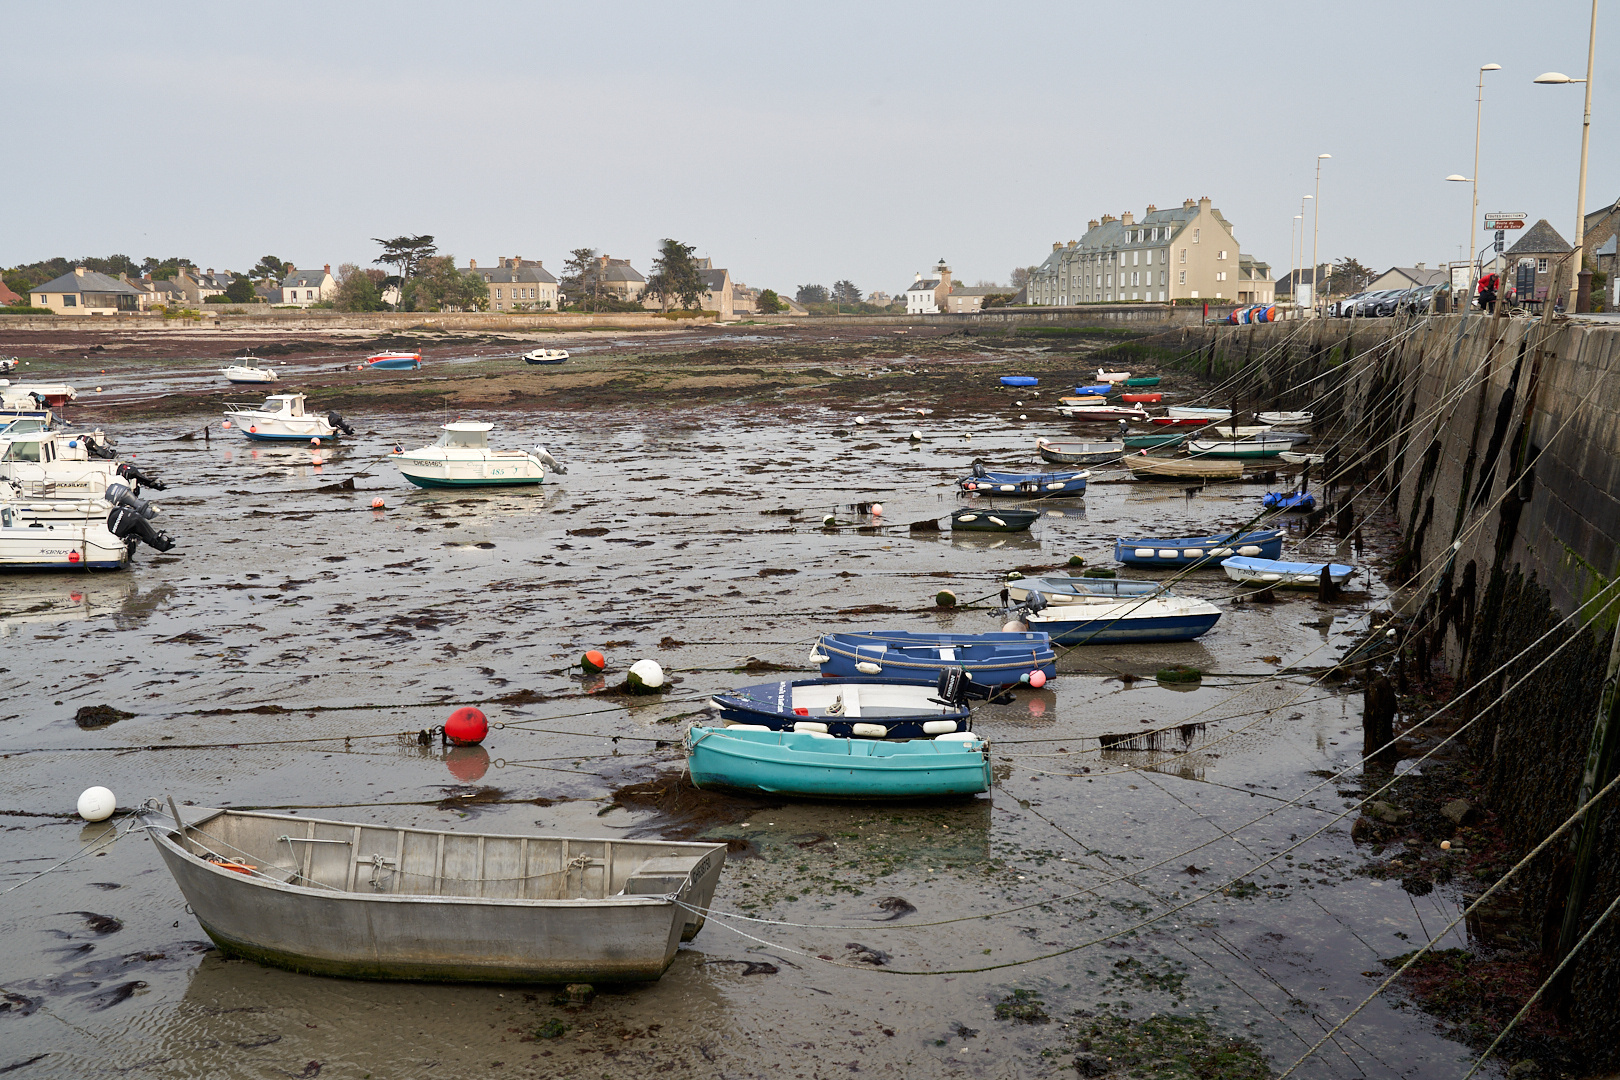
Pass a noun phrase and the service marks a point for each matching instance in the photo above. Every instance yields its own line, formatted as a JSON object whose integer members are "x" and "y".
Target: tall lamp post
{"x": 1583, "y": 291}
{"x": 1473, "y": 215}
{"x": 1316, "y": 234}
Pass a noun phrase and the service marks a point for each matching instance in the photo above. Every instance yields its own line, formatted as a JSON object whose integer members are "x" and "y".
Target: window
{"x": 1136, "y": 277}
{"x": 1183, "y": 257}
{"x": 1162, "y": 276}
{"x": 1136, "y": 258}
{"x": 69, "y": 300}
{"x": 1541, "y": 267}
{"x": 1110, "y": 280}
{"x": 1183, "y": 280}
{"x": 1220, "y": 275}
{"x": 1149, "y": 259}
{"x": 1195, "y": 236}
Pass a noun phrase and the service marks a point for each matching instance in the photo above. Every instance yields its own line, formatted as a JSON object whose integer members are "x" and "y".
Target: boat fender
{"x": 1144, "y": 553}
{"x": 866, "y": 667}
{"x": 1169, "y": 553}
{"x": 747, "y": 727}
{"x": 810, "y": 726}
{"x": 938, "y": 727}
{"x": 817, "y": 657}
{"x": 1248, "y": 549}
{"x": 254, "y": 429}
{"x": 869, "y": 731}
{"x": 971, "y": 517}
{"x": 993, "y": 518}
{"x": 1194, "y": 553}
{"x": 958, "y": 737}
{"x": 1221, "y": 552}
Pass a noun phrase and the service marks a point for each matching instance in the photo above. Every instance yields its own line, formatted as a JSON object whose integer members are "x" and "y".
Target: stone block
{"x": 1458, "y": 811}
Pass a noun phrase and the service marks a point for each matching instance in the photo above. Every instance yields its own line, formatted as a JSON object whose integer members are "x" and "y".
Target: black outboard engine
{"x": 338, "y": 423}
{"x": 978, "y": 468}
{"x": 96, "y": 450}
{"x": 130, "y": 472}
{"x": 119, "y": 495}
{"x": 129, "y": 526}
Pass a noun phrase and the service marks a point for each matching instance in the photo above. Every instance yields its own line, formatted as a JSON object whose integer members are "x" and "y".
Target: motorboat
{"x": 59, "y": 463}
{"x": 1174, "y": 553}
{"x": 242, "y": 373}
{"x": 282, "y": 419}
{"x": 860, "y": 707}
{"x": 462, "y": 458}
{"x": 76, "y": 534}
{"x": 54, "y": 395}
{"x": 393, "y": 361}
{"x": 751, "y": 760}
{"x": 905, "y": 656}
{"x": 1300, "y": 575}
{"x": 384, "y": 902}
{"x": 545, "y": 356}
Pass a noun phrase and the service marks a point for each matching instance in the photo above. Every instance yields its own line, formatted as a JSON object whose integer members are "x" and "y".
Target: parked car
{"x": 1422, "y": 301}
{"x": 1343, "y": 307}
{"x": 1389, "y": 303}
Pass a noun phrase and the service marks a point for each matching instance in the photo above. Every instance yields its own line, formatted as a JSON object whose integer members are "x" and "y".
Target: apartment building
{"x": 517, "y": 284}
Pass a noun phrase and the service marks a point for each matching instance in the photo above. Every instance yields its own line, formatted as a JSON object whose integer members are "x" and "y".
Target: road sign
{"x": 1506, "y": 217}
{"x": 1504, "y": 223}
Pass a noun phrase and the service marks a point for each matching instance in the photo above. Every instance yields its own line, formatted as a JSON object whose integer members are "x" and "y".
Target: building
{"x": 517, "y": 284}
{"x": 1288, "y": 286}
{"x": 880, "y": 299}
{"x": 197, "y": 286}
{"x": 1532, "y": 265}
{"x": 301, "y": 288}
{"x": 9, "y": 298}
{"x": 1185, "y": 253}
{"x": 85, "y": 292}
{"x": 926, "y": 296}
{"x": 966, "y": 300}
{"x": 719, "y": 294}
{"x": 618, "y": 279}
{"x": 1407, "y": 277}
{"x": 1598, "y": 230}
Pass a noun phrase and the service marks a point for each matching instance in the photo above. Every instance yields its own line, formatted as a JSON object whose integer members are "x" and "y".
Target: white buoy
{"x": 1014, "y": 627}
{"x": 646, "y": 673}
{"x": 860, "y": 419}
{"x": 877, "y": 509}
{"x": 828, "y": 522}
{"x": 916, "y": 436}
{"x": 1020, "y": 404}
{"x": 1023, "y": 416}
{"x": 97, "y": 804}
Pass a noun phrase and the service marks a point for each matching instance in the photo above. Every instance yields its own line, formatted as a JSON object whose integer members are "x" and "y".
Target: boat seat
{"x": 661, "y": 875}
{"x": 852, "y": 701}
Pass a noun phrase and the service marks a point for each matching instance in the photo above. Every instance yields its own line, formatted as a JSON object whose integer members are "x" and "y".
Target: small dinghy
{"x": 1159, "y": 468}
{"x": 1143, "y": 380}
{"x": 1239, "y": 449}
{"x": 1179, "y": 421}
{"x": 394, "y": 361}
{"x": 1112, "y": 376}
{"x": 815, "y": 765}
{"x": 1299, "y": 575}
{"x": 1187, "y": 550}
{"x": 1098, "y": 409}
{"x": 1251, "y": 431}
{"x": 380, "y": 902}
{"x": 242, "y": 373}
{"x": 1289, "y": 501}
{"x": 1097, "y": 390}
{"x": 1284, "y": 417}
{"x": 1141, "y": 399}
{"x": 1079, "y": 453}
{"x": 1198, "y": 411}
{"x": 1019, "y": 380}
{"x": 859, "y": 707}
{"x": 1073, "y": 590}
{"x": 971, "y": 519}
{"x": 1131, "y": 620}
{"x": 545, "y": 356}
{"x": 1049, "y": 485}
{"x": 1156, "y": 438}
{"x": 986, "y": 659}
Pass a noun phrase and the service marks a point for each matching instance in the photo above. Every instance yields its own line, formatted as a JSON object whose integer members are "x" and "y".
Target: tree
{"x": 439, "y": 286}
{"x": 1348, "y": 276}
{"x": 769, "y": 303}
{"x": 1020, "y": 276}
{"x": 845, "y": 292}
{"x": 675, "y": 276}
{"x": 359, "y": 289}
{"x": 240, "y": 290}
{"x": 580, "y": 281}
{"x": 163, "y": 269}
{"x": 269, "y": 268}
{"x": 407, "y": 252}
{"x": 811, "y": 294}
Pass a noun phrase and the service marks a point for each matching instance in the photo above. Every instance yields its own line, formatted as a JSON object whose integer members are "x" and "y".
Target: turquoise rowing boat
{"x": 746, "y": 760}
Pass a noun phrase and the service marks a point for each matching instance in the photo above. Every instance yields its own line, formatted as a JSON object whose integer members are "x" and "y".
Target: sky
{"x": 790, "y": 143}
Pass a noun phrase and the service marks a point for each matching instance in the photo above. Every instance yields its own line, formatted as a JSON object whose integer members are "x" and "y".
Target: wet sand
{"x": 286, "y": 652}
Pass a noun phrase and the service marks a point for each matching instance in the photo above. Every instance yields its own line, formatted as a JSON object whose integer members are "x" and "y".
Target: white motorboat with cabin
{"x": 38, "y": 395}
{"x": 61, "y": 545}
{"x": 546, "y": 356}
{"x": 462, "y": 458}
{"x": 244, "y": 373}
{"x": 57, "y": 463}
{"x": 282, "y": 419}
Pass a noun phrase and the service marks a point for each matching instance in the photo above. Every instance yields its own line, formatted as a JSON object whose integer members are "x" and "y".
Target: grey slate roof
{"x": 507, "y": 275}
{"x": 1540, "y": 239}
{"x": 713, "y": 280}
{"x": 619, "y": 270}
{"x": 925, "y": 285}
{"x": 1419, "y": 277}
{"x": 1608, "y": 247}
{"x": 302, "y": 279}
{"x": 982, "y": 290}
{"x": 91, "y": 282}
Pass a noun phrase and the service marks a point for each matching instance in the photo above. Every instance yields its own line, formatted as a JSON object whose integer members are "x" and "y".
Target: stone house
{"x": 926, "y": 296}
{"x": 517, "y": 284}
{"x": 619, "y": 279}
{"x": 301, "y": 288}
{"x": 197, "y": 286}
{"x": 966, "y": 300}
{"x": 1188, "y": 252}
{"x": 1532, "y": 264}
{"x": 85, "y": 292}
{"x": 1407, "y": 277}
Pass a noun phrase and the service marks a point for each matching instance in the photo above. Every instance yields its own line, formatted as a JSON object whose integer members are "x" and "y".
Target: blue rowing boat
{"x": 1019, "y": 380}
{"x": 1066, "y": 590}
{"x": 822, "y": 766}
{"x": 868, "y": 708}
{"x": 987, "y": 659}
{"x": 1299, "y": 575}
{"x": 1206, "y": 550}
{"x": 1098, "y": 389}
{"x": 1289, "y": 501}
{"x": 1126, "y": 621}
{"x": 1047, "y": 485}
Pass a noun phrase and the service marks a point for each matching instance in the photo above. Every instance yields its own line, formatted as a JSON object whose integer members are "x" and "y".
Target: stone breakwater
{"x": 1496, "y": 444}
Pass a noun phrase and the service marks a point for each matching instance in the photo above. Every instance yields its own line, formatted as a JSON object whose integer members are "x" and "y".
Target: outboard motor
{"x": 130, "y": 472}
{"x": 130, "y": 526}
{"x": 96, "y": 450}
{"x": 956, "y": 687}
{"x": 119, "y": 495}
{"x": 335, "y": 419}
{"x": 545, "y": 458}
{"x": 978, "y": 468}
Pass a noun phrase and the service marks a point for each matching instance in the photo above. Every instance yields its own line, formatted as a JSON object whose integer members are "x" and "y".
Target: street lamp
{"x": 1316, "y": 234}
{"x": 1299, "y": 261}
{"x": 1473, "y": 214}
{"x": 1583, "y": 292}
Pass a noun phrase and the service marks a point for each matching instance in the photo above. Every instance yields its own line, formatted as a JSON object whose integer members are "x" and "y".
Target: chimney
{"x": 918, "y": 277}
{"x": 79, "y": 271}
{"x": 1419, "y": 266}
{"x": 1127, "y": 219}
{"x": 1058, "y": 243}
{"x": 328, "y": 268}
{"x": 211, "y": 271}
{"x": 472, "y": 264}
{"x": 517, "y": 262}
{"x": 1092, "y": 224}
{"x": 1187, "y": 204}
{"x": 147, "y": 277}
{"x": 1203, "y": 202}
{"x": 1073, "y": 244}
{"x": 1151, "y": 208}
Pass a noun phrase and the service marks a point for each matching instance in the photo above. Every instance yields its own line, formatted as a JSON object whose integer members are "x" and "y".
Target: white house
{"x": 926, "y": 296}
{"x": 305, "y": 287}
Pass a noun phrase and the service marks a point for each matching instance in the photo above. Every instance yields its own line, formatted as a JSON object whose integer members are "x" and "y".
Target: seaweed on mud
{"x": 1162, "y": 1047}
{"x": 1023, "y": 1007}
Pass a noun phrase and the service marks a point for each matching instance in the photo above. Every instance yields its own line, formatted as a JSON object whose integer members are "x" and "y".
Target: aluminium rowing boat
{"x": 383, "y": 902}
{"x": 1079, "y": 453}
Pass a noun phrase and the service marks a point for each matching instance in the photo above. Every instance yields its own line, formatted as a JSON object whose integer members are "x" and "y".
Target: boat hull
{"x": 1113, "y": 630}
{"x": 341, "y": 930}
{"x": 863, "y": 706}
{"x": 1203, "y": 550}
{"x": 1288, "y": 575}
{"x": 824, "y": 767}
{"x": 1002, "y": 521}
{"x": 988, "y": 659}
{"x": 459, "y": 482}
{"x": 66, "y": 548}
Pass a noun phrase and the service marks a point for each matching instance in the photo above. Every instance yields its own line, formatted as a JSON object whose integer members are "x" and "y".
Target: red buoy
{"x": 593, "y": 662}
{"x": 466, "y": 726}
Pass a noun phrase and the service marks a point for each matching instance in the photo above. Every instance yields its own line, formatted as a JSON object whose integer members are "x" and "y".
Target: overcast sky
{"x": 792, "y": 143}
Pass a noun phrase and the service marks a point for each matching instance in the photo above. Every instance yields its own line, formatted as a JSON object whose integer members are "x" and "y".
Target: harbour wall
{"x": 1495, "y": 446}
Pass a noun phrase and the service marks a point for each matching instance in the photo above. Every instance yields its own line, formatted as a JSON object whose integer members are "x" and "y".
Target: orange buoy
{"x": 593, "y": 662}
{"x": 466, "y": 726}
{"x": 376, "y": 504}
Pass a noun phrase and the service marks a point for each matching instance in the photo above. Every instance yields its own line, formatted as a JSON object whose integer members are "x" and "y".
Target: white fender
{"x": 938, "y": 727}
{"x": 870, "y": 731}
{"x": 810, "y": 726}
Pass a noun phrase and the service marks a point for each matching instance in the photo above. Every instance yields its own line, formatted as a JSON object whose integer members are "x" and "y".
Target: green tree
{"x": 580, "y": 282}
{"x": 407, "y": 252}
{"x": 439, "y": 286}
{"x": 1348, "y": 276}
{"x": 240, "y": 290}
{"x": 811, "y": 294}
{"x": 769, "y": 303}
{"x": 359, "y": 289}
{"x": 675, "y": 276}
{"x": 269, "y": 268}
{"x": 845, "y": 292}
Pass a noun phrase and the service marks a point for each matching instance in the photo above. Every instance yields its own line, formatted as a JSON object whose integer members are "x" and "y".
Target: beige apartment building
{"x": 517, "y": 284}
{"x": 1184, "y": 253}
